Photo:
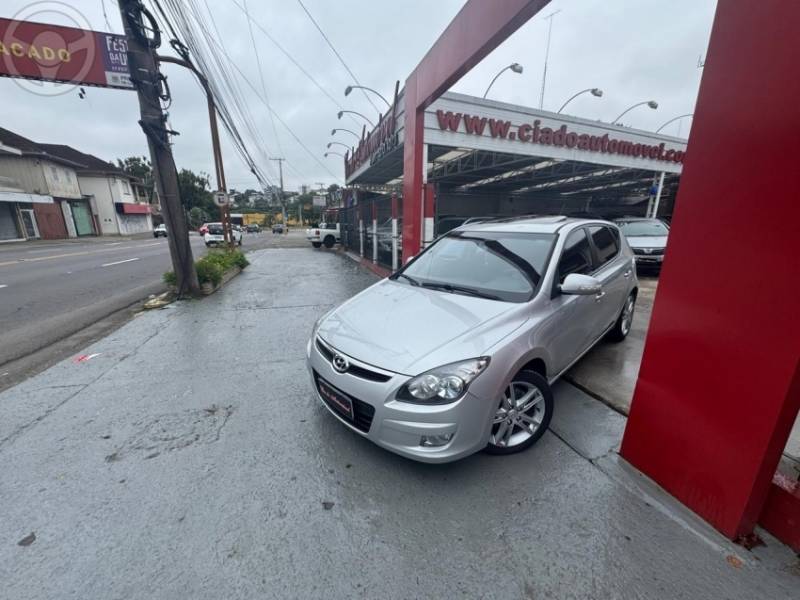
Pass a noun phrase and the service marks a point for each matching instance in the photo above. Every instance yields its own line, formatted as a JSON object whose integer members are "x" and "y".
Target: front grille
{"x": 363, "y": 413}
{"x": 649, "y": 251}
{"x": 354, "y": 370}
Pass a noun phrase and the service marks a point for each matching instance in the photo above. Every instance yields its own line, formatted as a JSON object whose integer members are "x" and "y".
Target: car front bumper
{"x": 649, "y": 259}
{"x": 400, "y": 426}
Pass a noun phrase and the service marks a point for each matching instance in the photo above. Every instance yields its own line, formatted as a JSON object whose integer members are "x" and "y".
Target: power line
{"x": 293, "y": 60}
{"x": 191, "y": 40}
{"x": 339, "y": 56}
{"x": 277, "y": 116}
{"x": 261, "y": 75}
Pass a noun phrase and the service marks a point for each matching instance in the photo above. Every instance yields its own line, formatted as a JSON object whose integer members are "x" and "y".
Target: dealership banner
{"x": 59, "y": 54}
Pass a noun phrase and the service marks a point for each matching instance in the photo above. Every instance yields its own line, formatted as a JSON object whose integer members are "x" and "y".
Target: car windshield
{"x": 501, "y": 266}
{"x": 652, "y": 227}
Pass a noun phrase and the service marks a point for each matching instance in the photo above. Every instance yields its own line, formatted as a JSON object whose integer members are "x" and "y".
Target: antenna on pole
{"x": 547, "y": 53}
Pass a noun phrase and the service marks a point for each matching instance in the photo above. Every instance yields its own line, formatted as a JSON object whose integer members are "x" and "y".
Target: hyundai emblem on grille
{"x": 340, "y": 363}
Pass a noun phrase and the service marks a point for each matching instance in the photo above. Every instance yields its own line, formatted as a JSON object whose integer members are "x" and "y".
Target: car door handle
{"x": 627, "y": 274}
{"x": 598, "y": 296}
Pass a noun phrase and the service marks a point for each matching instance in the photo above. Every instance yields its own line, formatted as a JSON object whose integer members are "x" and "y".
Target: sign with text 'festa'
{"x": 59, "y": 54}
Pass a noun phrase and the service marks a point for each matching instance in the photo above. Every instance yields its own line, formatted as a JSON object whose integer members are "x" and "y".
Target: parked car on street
{"x": 160, "y": 231}
{"x": 647, "y": 238}
{"x": 253, "y": 228}
{"x": 326, "y": 234}
{"x": 215, "y": 235}
{"x": 456, "y": 351}
{"x": 277, "y": 228}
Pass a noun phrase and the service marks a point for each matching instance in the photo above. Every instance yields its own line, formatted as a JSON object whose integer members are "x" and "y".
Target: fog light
{"x": 433, "y": 441}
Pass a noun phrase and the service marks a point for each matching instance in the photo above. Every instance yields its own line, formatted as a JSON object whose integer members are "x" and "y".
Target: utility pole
{"x": 283, "y": 201}
{"x": 148, "y": 82}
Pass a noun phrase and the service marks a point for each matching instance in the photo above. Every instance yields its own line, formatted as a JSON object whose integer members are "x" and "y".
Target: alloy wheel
{"x": 627, "y": 315}
{"x": 519, "y": 416}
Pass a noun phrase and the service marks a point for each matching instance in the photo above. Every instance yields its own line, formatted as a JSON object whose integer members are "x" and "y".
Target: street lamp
{"x": 350, "y": 88}
{"x": 596, "y": 92}
{"x": 352, "y": 112}
{"x": 515, "y": 67}
{"x": 340, "y": 144}
{"x": 673, "y": 120}
{"x": 336, "y": 153}
{"x": 651, "y": 103}
{"x": 333, "y": 132}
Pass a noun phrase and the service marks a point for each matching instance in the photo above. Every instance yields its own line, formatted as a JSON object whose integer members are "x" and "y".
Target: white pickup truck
{"x": 326, "y": 234}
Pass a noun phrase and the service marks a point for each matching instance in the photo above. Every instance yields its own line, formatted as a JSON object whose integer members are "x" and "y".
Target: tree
{"x": 197, "y": 216}
{"x": 139, "y": 167}
{"x": 195, "y": 191}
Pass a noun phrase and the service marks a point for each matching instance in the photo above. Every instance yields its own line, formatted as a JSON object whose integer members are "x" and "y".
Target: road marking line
{"x": 119, "y": 262}
{"x": 2, "y": 286}
{"x": 114, "y": 243}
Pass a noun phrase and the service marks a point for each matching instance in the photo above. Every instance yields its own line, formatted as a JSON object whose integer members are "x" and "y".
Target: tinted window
{"x": 605, "y": 241}
{"x": 576, "y": 257}
{"x": 215, "y": 228}
{"x": 506, "y": 265}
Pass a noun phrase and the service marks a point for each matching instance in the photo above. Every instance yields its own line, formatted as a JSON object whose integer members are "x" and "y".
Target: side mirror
{"x": 581, "y": 285}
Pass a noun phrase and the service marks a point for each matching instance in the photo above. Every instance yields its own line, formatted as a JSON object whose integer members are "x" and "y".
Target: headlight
{"x": 443, "y": 384}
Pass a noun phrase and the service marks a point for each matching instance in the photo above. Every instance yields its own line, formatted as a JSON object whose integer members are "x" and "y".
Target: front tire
{"x": 523, "y": 414}
{"x": 624, "y": 323}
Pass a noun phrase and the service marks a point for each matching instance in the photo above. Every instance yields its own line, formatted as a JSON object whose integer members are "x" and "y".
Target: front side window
{"x": 501, "y": 266}
{"x": 605, "y": 242}
{"x": 576, "y": 256}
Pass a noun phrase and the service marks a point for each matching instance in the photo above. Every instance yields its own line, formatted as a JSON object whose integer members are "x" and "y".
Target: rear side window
{"x": 576, "y": 257}
{"x": 605, "y": 242}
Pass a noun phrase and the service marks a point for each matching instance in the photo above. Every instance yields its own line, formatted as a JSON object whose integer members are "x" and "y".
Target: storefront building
{"x": 485, "y": 158}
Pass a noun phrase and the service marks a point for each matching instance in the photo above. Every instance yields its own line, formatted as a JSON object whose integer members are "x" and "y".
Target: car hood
{"x": 407, "y": 329}
{"x": 647, "y": 241}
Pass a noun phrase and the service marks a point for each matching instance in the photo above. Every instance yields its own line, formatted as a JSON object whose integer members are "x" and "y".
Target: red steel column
{"x": 719, "y": 385}
{"x": 478, "y": 28}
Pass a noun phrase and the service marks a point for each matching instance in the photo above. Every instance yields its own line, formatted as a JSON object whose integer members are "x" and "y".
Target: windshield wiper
{"x": 411, "y": 280}
{"x": 461, "y": 290}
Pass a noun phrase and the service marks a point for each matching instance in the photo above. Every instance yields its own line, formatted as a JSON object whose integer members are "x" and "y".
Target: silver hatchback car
{"x": 456, "y": 351}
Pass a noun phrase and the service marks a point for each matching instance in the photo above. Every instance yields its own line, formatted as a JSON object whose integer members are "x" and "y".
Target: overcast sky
{"x": 633, "y": 49}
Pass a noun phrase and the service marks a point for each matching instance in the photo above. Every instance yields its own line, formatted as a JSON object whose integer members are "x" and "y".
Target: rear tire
{"x": 329, "y": 241}
{"x": 624, "y": 322}
{"x": 523, "y": 414}
{"x": 316, "y": 244}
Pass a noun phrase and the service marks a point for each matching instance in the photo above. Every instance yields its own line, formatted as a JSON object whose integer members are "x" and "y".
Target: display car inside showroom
{"x": 487, "y": 159}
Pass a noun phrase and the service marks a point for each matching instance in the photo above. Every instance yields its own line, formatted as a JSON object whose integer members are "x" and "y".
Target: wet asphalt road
{"x": 190, "y": 459}
{"x": 50, "y": 290}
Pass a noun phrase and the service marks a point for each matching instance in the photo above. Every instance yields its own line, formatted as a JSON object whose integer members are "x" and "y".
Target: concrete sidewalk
{"x": 186, "y": 457}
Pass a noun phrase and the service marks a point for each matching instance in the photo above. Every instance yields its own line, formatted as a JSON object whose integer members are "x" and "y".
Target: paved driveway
{"x": 188, "y": 458}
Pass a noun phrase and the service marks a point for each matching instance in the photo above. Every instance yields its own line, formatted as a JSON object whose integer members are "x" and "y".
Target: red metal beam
{"x": 477, "y": 29}
{"x": 719, "y": 385}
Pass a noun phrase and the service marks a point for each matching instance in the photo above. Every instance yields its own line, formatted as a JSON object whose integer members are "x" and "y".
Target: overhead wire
{"x": 288, "y": 55}
{"x": 261, "y": 75}
{"x": 339, "y": 56}
{"x": 230, "y": 108}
